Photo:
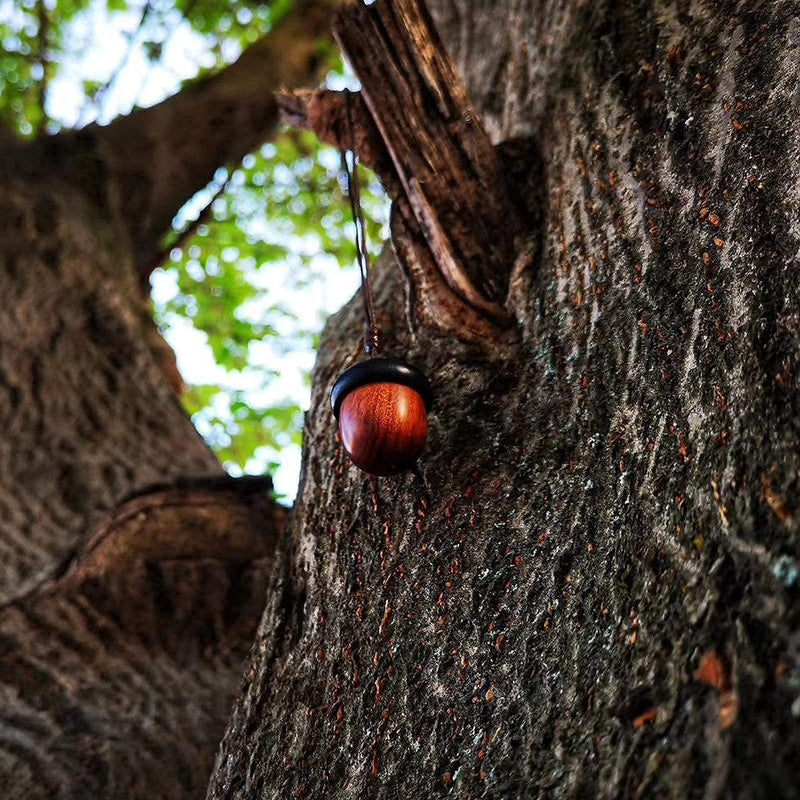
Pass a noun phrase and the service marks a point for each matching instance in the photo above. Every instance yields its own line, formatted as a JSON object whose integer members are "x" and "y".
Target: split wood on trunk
{"x": 454, "y": 229}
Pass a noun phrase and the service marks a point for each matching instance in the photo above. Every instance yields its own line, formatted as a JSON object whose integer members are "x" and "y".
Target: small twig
{"x": 43, "y": 33}
{"x": 164, "y": 42}
{"x": 163, "y": 254}
{"x": 100, "y": 94}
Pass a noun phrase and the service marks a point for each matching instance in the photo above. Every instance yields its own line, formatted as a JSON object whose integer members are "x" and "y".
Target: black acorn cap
{"x": 380, "y": 370}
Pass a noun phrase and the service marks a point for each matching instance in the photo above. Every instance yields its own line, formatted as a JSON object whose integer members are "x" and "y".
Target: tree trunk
{"x": 118, "y": 659}
{"x": 591, "y": 588}
{"x": 132, "y": 570}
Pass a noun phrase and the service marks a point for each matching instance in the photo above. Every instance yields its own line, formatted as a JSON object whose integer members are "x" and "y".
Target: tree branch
{"x": 210, "y": 518}
{"x": 160, "y": 156}
{"x": 42, "y": 56}
{"x": 202, "y": 218}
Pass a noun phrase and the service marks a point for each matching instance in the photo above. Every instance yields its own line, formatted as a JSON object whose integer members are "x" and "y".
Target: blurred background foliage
{"x": 258, "y": 259}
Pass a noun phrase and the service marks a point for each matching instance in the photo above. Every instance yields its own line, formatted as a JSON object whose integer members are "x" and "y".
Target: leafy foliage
{"x": 237, "y": 429}
{"x": 283, "y": 205}
{"x": 282, "y": 212}
{"x": 254, "y": 276}
{"x": 31, "y": 33}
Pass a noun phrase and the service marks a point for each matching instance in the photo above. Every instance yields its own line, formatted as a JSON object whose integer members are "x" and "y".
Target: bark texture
{"x": 132, "y": 570}
{"x": 123, "y": 622}
{"x": 591, "y": 587}
{"x": 442, "y": 157}
{"x": 116, "y": 677}
{"x": 87, "y": 414}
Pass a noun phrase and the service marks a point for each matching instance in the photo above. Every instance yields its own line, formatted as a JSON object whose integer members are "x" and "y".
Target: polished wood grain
{"x": 383, "y": 427}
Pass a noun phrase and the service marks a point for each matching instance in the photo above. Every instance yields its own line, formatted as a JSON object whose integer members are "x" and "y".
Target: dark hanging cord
{"x": 372, "y": 343}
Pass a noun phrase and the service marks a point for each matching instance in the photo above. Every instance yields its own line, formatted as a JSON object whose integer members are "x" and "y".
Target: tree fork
{"x": 154, "y": 611}
{"x": 191, "y": 519}
{"x": 158, "y": 157}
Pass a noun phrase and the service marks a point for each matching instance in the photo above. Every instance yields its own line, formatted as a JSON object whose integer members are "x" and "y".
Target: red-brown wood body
{"x": 383, "y": 427}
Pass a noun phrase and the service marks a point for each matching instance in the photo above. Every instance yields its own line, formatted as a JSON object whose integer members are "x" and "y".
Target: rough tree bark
{"x": 590, "y": 589}
{"x": 132, "y": 571}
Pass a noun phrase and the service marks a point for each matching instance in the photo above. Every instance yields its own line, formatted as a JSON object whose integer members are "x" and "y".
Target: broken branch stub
{"x": 329, "y": 115}
{"x": 454, "y": 229}
{"x": 444, "y": 161}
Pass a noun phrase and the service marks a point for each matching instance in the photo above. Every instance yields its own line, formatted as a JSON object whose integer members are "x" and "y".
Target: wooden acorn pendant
{"x": 382, "y": 408}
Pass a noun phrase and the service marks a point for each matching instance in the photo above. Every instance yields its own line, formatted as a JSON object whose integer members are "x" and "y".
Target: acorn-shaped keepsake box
{"x": 382, "y": 407}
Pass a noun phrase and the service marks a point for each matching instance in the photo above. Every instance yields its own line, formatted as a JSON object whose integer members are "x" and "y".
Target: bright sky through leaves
{"x": 244, "y": 298}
